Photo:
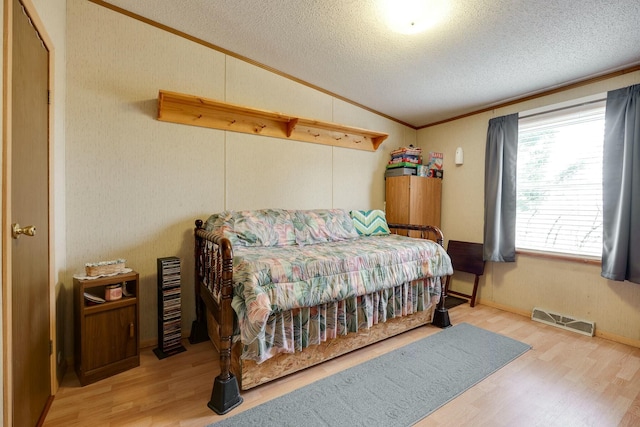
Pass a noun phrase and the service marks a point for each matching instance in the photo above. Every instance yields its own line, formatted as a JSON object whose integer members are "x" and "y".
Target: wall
{"x": 565, "y": 287}
{"x": 134, "y": 185}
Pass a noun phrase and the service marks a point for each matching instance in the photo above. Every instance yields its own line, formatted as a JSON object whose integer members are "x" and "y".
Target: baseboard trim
{"x": 617, "y": 338}
{"x": 154, "y": 341}
{"x": 598, "y": 333}
{"x": 149, "y": 343}
{"x": 505, "y": 308}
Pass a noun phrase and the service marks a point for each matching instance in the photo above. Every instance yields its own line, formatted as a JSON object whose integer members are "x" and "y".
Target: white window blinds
{"x": 559, "y": 181}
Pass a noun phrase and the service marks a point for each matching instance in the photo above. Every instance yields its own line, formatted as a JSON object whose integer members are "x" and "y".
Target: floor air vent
{"x": 583, "y": 327}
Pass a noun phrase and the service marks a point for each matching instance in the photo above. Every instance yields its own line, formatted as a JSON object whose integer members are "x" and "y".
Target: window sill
{"x": 582, "y": 259}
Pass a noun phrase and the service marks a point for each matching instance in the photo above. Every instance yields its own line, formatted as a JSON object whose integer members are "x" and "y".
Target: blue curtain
{"x": 500, "y": 189}
{"x": 621, "y": 186}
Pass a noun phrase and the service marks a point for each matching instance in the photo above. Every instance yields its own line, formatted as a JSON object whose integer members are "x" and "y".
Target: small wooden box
{"x": 104, "y": 268}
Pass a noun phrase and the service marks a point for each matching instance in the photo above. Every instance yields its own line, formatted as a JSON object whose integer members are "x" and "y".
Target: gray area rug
{"x": 396, "y": 389}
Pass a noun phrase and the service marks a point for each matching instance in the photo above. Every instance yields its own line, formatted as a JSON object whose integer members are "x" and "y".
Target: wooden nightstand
{"x": 107, "y": 340}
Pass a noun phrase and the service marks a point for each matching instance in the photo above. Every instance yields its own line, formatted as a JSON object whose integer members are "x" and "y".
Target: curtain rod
{"x": 595, "y": 101}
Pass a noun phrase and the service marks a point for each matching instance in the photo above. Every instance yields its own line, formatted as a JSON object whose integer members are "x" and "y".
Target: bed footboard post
{"x": 226, "y": 394}
{"x": 199, "y": 331}
{"x": 441, "y": 313}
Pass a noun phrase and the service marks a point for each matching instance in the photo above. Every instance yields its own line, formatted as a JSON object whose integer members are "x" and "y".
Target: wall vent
{"x": 583, "y": 327}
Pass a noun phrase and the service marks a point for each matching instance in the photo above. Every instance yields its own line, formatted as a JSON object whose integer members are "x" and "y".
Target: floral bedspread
{"x": 269, "y": 280}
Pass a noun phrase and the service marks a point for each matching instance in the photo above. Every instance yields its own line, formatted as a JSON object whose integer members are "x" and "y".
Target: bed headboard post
{"x": 199, "y": 331}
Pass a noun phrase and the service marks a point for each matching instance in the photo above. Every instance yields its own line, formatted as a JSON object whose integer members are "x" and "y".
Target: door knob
{"x": 29, "y": 230}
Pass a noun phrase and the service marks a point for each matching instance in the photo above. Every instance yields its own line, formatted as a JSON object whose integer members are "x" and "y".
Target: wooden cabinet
{"x": 106, "y": 334}
{"x": 413, "y": 199}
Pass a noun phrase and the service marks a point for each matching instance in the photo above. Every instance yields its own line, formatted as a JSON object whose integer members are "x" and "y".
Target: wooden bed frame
{"x": 215, "y": 320}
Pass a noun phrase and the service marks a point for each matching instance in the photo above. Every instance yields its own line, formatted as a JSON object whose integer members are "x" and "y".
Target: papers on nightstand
{"x": 92, "y": 298}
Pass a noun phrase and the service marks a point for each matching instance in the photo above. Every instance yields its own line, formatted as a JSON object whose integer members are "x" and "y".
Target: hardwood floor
{"x": 567, "y": 379}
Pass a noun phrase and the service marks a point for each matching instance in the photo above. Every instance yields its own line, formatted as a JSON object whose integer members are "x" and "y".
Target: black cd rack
{"x": 169, "y": 308}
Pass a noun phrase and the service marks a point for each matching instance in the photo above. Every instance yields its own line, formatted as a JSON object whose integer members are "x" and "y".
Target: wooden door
{"x": 426, "y": 194}
{"x": 29, "y": 206}
{"x": 109, "y": 337}
{"x": 398, "y": 200}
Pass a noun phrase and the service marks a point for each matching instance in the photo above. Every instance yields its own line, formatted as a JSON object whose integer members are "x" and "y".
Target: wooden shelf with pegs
{"x": 197, "y": 111}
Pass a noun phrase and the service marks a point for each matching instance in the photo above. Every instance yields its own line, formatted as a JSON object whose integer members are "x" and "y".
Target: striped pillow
{"x": 370, "y": 223}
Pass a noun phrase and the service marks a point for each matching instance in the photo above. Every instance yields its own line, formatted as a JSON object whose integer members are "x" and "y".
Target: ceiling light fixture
{"x": 413, "y": 16}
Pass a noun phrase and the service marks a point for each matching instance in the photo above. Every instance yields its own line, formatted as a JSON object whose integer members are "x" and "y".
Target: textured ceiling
{"x": 483, "y": 53}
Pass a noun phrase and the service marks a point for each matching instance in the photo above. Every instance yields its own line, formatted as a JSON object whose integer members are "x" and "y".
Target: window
{"x": 559, "y": 180}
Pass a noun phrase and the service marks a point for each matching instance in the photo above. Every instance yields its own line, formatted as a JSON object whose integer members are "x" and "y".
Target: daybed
{"x": 280, "y": 290}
